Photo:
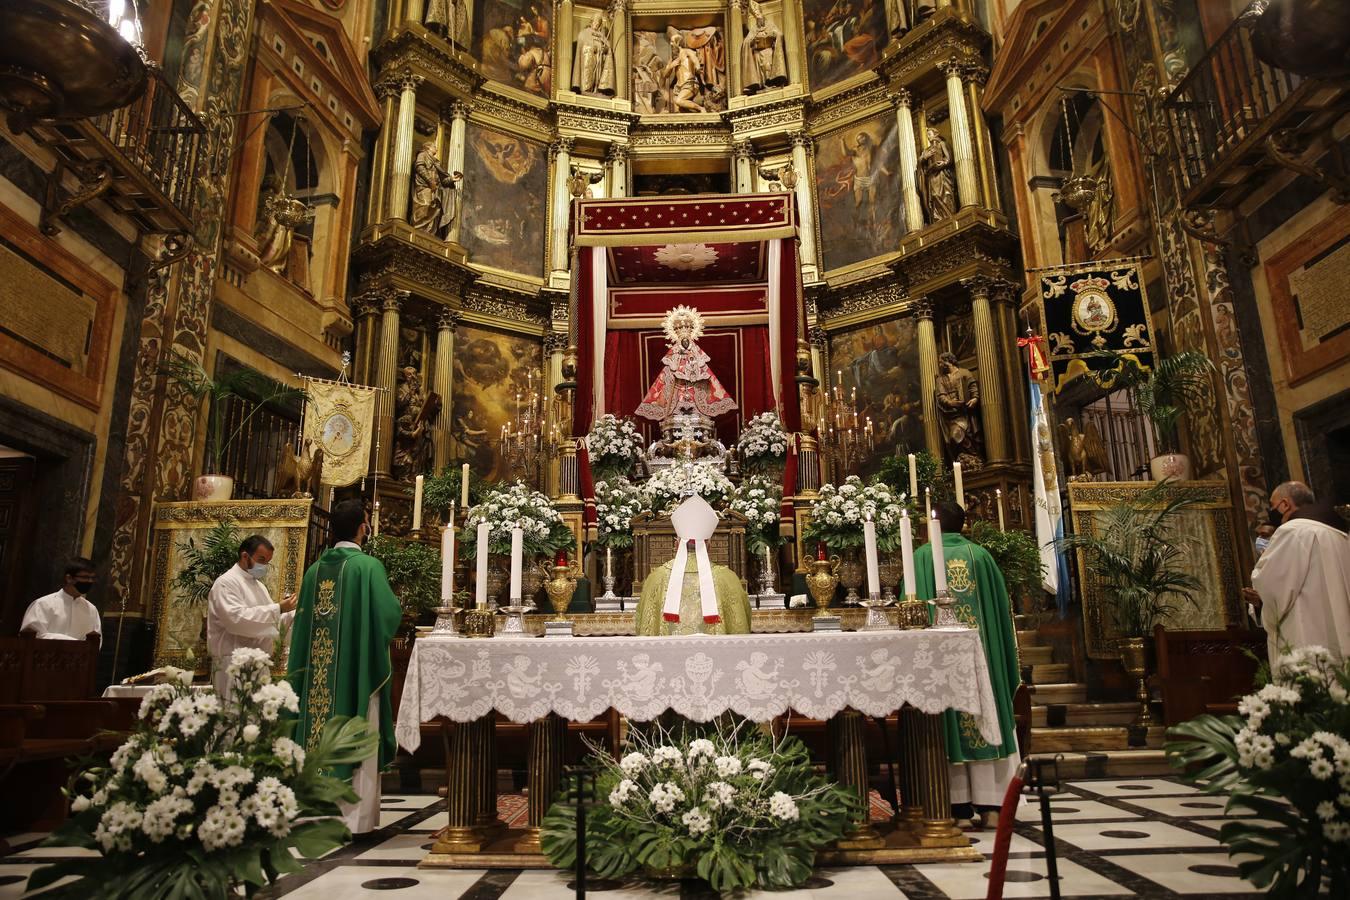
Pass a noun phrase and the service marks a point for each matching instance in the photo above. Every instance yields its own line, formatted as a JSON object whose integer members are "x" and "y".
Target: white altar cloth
{"x": 758, "y": 676}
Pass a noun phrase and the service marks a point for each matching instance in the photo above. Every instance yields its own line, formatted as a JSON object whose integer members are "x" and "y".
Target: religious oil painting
{"x": 491, "y": 370}
{"x": 515, "y": 43}
{"x": 880, "y": 362}
{"x": 680, "y": 70}
{"x": 505, "y": 197}
{"x": 843, "y": 38}
{"x": 858, "y": 187}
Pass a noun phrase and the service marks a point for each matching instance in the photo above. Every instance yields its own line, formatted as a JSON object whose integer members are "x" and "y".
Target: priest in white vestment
{"x": 241, "y": 612}
{"x": 66, "y": 615}
{"x": 1303, "y": 577}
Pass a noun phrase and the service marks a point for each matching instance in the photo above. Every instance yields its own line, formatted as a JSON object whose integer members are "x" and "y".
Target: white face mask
{"x": 260, "y": 570}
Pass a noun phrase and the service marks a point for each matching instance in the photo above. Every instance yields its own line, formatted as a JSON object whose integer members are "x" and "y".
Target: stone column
{"x": 617, "y": 157}
{"x": 386, "y": 376}
{"x": 562, "y": 202}
{"x": 619, "y": 40}
{"x": 792, "y": 41}
{"x": 401, "y": 170}
{"x": 413, "y": 14}
{"x": 562, "y": 56}
{"x": 744, "y": 154}
{"x": 909, "y": 160}
{"x": 801, "y": 147}
{"x": 963, "y": 147}
{"x": 454, "y": 161}
{"x": 928, "y": 361}
{"x": 993, "y": 413}
{"x": 444, "y": 384}
{"x": 735, "y": 38}
{"x": 366, "y": 336}
{"x": 1005, "y": 298}
{"x": 387, "y": 92}
{"x": 975, "y": 77}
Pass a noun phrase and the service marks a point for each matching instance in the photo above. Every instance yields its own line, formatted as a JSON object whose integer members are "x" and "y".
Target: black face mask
{"x": 1275, "y": 517}
{"x": 83, "y": 587}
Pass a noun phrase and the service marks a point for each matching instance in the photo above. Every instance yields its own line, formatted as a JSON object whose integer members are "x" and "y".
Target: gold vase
{"x": 821, "y": 581}
{"x": 1134, "y": 657}
{"x": 851, "y": 574}
{"x": 560, "y": 584}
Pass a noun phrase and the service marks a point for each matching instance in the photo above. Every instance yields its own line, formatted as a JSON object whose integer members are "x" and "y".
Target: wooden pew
{"x": 1202, "y": 672}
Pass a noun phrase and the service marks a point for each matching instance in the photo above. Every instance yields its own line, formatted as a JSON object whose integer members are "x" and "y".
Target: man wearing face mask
{"x": 66, "y": 615}
{"x": 240, "y": 612}
{"x": 1302, "y": 580}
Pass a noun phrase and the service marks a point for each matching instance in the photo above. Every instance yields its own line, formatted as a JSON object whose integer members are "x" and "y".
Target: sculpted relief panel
{"x": 680, "y": 70}
{"x": 505, "y": 201}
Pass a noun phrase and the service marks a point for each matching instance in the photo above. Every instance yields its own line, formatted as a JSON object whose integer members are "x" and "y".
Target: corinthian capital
{"x": 393, "y": 301}
{"x": 923, "y": 309}
{"x": 617, "y": 153}
{"x": 561, "y": 145}
{"x": 901, "y": 99}
{"x": 979, "y": 285}
{"x": 801, "y": 139}
{"x": 953, "y": 66}
{"x": 407, "y": 81}
{"x": 974, "y": 72}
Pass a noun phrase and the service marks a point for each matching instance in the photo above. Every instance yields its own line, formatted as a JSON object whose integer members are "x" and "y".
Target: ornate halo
{"x": 683, "y": 312}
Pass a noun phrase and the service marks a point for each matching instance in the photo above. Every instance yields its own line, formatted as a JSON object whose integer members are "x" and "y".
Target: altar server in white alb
{"x": 66, "y": 615}
{"x": 241, "y": 612}
{"x": 1303, "y": 577}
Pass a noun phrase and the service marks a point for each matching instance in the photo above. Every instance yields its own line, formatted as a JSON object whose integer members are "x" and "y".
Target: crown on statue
{"x": 681, "y": 314}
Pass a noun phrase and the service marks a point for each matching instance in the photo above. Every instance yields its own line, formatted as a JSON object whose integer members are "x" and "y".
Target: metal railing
{"x": 1126, "y": 436}
{"x": 251, "y": 458}
{"x": 1222, "y": 101}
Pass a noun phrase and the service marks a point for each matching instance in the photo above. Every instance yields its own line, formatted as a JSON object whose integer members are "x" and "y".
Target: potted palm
{"x": 252, "y": 388}
{"x": 414, "y": 571}
{"x": 1139, "y": 560}
{"x": 1174, "y": 385}
{"x": 1018, "y": 558}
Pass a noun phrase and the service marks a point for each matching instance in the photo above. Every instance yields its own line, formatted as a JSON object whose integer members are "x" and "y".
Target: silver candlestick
{"x": 445, "y": 619}
{"x": 876, "y": 619}
{"x": 945, "y": 617}
{"x": 608, "y": 597}
{"x": 515, "y": 618}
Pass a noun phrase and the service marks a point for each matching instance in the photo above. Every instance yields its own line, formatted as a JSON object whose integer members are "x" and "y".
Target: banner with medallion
{"x": 339, "y": 417}
{"x": 1090, "y": 308}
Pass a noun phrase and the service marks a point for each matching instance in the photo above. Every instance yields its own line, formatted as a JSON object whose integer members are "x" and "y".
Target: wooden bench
{"x": 42, "y": 746}
{"x": 33, "y": 670}
{"x": 1201, "y": 672}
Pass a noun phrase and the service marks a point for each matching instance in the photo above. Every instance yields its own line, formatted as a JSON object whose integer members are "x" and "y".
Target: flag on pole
{"x": 1045, "y": 483}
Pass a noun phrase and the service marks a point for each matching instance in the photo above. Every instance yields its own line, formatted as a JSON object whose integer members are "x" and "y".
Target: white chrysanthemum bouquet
{"x": 617, "y": 501}
{"x": 207, "y": 795}
{"x": 763, "y": 444}
{"x": 613, "y": 445}
{"x": 839, "y": 512}
{"x": 725, "y": 802}
{"x": 1290, "y": 742}
{"x": 759, "y": 500}
{"x": 665, "y": 489}
{"x": 516, "y": 505}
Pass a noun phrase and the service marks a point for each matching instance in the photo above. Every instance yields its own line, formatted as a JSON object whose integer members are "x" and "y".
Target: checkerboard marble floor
{"x": 1146, "y": 837}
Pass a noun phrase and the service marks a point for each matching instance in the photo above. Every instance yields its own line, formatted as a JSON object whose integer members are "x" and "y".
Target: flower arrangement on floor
{"x": 838, "y": 515}
{"x": 1290, "y": 742}
{"x": 207, "y": 794}
{"x": 517, "y": 506}
{"x": 614, "y": 444}
{"x": 617, "y": 501}
{"x": 736, "y": 807}
{"x": 665, "y": 489}
{"x": 759, "y": 500}
{"x": 763, "y": 444}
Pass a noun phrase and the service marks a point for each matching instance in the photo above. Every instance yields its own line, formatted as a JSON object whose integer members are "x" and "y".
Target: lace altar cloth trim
{"x": 758, "y": 676}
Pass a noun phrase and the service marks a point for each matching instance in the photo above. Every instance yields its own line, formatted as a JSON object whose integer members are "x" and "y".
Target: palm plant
{"x": 204, "y": 562}
{"x": 1172, "y": 386}
{"x": 1139, "y": 559}
{"x": 253, "y": 388}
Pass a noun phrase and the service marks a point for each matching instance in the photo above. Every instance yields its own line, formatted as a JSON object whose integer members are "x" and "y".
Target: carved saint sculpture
{"x": 1100, "y": 210}
{"x": 279, "y": 216}
{"x": 958, "y": 402}
{"x": 414, "y": 411}
{"x": 647, "y": 67}
{"x": 593, "y": 59}
{"x": 937, "y": 180}
{"x": 435, "y": 202}
{"x": 684, "y": 74}
{"x": 763, "y": 61}
{"x": 447, "y": 18}
{"x": 897, "y": 16}
{"x": 686, "y": 386}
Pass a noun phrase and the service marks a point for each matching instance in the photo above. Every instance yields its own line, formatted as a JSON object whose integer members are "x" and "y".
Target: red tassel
{"x": 671, "y": 617}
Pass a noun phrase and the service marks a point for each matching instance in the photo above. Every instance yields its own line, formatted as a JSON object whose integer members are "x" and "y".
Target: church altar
{"x": 840, "y": 677}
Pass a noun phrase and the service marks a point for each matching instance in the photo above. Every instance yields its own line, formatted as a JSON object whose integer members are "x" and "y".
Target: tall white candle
{"x": 417, "y": 503}
{"x": 907, "y": 552}
{"x": 375, "y": 520}
{"x": 927, "y": 500}
{"x": 939, "y": 558}
{"x": 608, "y": 561}
{"x": 517, "y": 559}
{"x": 480, "y": 589}
{"x": 873, "y": 569}
{"x": 913, "y": 477}
{"x": 447, "y": 563}
{"x": 464, "y": 486}
{"x": 957, "y": 483}
{"x": 998, "y": 497}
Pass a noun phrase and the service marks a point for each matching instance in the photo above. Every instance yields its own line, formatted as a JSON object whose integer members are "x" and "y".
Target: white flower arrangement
{"x": 613, "y": 445}
{"x": 839, "y": 512}
{"x": 763, "y": 444}
{"x": 617, "y": 501}
{"x": 665, "y": 489}
{"x": 207, "y": 795}
{"x": 518, "y": 506}
{"x": 759, "y": 499}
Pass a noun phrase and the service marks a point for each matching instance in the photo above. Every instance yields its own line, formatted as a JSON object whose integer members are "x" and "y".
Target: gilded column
{"x": 909, "y": 160}
{"x": 454, "y": 162}
{"x": 413, "y": 13}
{"x": 485, "y": 748}
{"x": 963, "y": 147}
{"x": 735, "y": 38}
{"x": 801, "y": 146}
{"x": 562, "y": 170}
{"x": 387, "y": 92}
{"x": 617, "y": 157}
{"x": 792, "y": 36}
{"x": 366, "y": 307}
{"x": 386, "y": 375}
{"x": 619, "y": 11}
{"x": 744, "y": 154}
{"x": 1004, "y": 297}
{"x": 924, "y": 755}
{"x": 444, "y": 384}
{"x": 461, "y": 798}
{"x": 993, "y": 414}
{"x": 543, "y": 772}
{"x": 850, "y": 770}
{"x": 975, "y": 77}
{"x": 401, "y": 169}
{"x": 928, "y": 363}
{"x": 562, "y": 26}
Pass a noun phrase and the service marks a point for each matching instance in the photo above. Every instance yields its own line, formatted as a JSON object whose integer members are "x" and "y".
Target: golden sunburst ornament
{"x": 686, "y": 257}
{"x": 682, "y": 315}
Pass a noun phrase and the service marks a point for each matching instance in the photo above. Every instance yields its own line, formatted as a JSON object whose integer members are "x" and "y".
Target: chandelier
{"x": 846, "y": 437}
{"x": 62, "y": 59}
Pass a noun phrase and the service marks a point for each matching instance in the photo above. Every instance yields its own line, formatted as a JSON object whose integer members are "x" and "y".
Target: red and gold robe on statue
{"x": 685, "y": 385}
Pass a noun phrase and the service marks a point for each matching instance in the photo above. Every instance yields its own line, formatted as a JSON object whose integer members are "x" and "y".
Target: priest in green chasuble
{"x": 339, "y": 663}
{"x": 980, "y": 771}
{"x": 704, "y": 598}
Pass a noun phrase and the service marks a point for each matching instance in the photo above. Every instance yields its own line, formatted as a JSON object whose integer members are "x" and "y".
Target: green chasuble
{"x": 982, "y": 602}
{"x": 344, "y": 621}
{"x": 733, "y": 606}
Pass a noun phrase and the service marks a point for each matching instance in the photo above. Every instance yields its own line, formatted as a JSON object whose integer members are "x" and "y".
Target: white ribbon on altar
{"x": 707, "y": 591}
{"x": 774, "y": 299}
{"x": 599, "y": 324}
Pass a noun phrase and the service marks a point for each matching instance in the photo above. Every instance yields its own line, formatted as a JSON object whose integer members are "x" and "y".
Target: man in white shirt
{"x": 240, "y": 612}
{"x": 1302, "y": 580}
{"x": 66, "y": 615}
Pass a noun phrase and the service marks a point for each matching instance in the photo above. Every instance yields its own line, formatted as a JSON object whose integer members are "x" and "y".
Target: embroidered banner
{"x": 1092, "y": 308}
{"x": 338, "y": 421}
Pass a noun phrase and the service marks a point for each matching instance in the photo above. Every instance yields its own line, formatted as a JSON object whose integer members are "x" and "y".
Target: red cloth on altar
{"x": 685, "y": 382}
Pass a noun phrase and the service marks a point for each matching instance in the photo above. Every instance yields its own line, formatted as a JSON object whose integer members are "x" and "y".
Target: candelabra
{"x": 846, "y": 436}
{"x": 522, "y": 437}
